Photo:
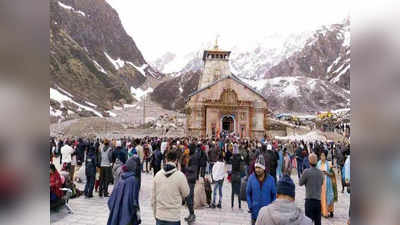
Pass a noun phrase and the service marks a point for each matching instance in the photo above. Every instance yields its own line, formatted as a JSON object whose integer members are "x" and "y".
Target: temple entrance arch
{"x": 228, "y": 123}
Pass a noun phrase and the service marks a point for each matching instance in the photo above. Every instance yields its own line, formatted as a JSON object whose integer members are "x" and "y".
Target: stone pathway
{"x": 95, "y": 211}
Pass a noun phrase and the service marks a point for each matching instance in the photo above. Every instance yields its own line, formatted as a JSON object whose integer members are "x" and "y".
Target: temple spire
{"x": 216, "y": 42}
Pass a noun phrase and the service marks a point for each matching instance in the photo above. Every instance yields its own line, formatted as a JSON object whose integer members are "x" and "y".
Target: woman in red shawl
{"x": 55, "y": 184}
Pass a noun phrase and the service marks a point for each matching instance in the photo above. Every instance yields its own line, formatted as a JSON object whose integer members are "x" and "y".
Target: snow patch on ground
{"x": 138, "y": 93}
{"x": 118, "y": 63}
{"x": 336, "y": 79}
{"x": 99, "y": 67}
{"x": 91, "y": 104}
{"x": 140, "y": 69}
{"x": 112, "y": 114}
{"x": 71, "y": 8}
{"x": 60, "y": 97}
{"x": 129, "y": 106}
{"x": 55, "y": 112}
{"x": 311, "y": 136}
{"x": 285, "y": 85}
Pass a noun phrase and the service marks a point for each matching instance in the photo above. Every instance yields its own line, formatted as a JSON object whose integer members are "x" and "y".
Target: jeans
{"x": 89, "y": 185}
{"x": 189, "y": 198}
{"x": 313, "y": 210}
{"x": 299, "y": 167}
{"x": 210, "y": 166}
{"x": 162, "y": 222}
{"x": 218, "y": 185}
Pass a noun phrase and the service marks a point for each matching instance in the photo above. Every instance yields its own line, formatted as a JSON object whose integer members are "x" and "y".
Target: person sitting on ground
{"x": 283, "y": 211}
{"x": 55, "y": 185}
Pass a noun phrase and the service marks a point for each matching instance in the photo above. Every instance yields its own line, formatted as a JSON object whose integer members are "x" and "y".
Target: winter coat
{"x": 203, "y": 158}
{"x": 124, "y": 201}
{"x": 56, "y": 184}
{"x": 271, "y": 161}
{"x": 260, "y": 195}
{"x": 228, "y": 157}
{"x": 282, "y": 212}
{"x": 90, "y": 164}
{"x": 193, "y": 167}
{"x": 80, "y": 152}
{"x": 213, "y": 154}
{"x": 156, "y": 159}
{"x": 120, "y": 154}
{"x": 340, "y": 157}
{"x": 299, "y": 154}
{"x": 170, "y": 188}
{"x": 236, "y": 171}
{"x": 306, "y": 163}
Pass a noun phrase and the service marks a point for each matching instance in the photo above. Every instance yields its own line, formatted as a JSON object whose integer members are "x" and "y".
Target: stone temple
{"x": 223, "y": 102}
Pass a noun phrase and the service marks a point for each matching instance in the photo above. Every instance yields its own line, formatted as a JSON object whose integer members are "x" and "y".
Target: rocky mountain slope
{"x": 93, "y": 61}
{"x": 325, "y": 56}
{"x": 313, "y": 77}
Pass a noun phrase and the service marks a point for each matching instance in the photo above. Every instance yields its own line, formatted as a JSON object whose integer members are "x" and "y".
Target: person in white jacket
{"x": 218, "y": 175}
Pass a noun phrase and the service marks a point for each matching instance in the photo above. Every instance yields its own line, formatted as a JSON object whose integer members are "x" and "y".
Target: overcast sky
{"x": 181, "y": 26}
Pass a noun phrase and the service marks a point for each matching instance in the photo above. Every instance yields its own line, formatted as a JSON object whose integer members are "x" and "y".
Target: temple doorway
{"x": 228, "y": 124}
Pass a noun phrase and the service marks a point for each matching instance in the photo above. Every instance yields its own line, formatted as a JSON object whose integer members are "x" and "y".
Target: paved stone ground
{"x": 95, "y": 211}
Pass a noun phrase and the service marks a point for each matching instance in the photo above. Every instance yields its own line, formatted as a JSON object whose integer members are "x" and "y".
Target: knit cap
{"x": 286, "y": 186}
{"x": 260, "y": 162}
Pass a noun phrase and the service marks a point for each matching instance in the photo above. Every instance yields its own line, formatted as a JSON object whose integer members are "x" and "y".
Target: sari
{"x": 327, "y": 192}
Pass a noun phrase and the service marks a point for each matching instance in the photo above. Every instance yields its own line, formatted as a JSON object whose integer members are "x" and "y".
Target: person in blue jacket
{"x": 124, "y": 200}
{"x": 261, "y": 189}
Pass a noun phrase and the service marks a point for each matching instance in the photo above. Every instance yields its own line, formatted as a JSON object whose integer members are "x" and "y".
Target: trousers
{"x": 313, "y": 210}
{"x": 162, "y": 222}
{"x": 89, "y": 185}
{"x": 189, "y": 198}
{"x": 218, "y": 186}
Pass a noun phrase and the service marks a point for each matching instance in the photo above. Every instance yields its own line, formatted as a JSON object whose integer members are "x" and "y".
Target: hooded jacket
{"x": 260, "y": 195}
{"x": 170, "y": 187}
{"x": 282, "y": 212}
{"x": 124, "y": 201}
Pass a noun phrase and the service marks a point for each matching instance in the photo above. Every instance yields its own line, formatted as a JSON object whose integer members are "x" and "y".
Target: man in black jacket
{"x": 192, "y": 175}
{"x": 271, "y": 159}
{"x": 80, "y": 153}
{"x": 90, "y": 171}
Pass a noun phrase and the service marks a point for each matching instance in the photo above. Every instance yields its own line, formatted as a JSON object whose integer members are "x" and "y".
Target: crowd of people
{"x": 259, "y": 172}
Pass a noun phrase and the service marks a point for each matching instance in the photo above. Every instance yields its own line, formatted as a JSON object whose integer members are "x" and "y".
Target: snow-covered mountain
{"x": 326, "y": 55}
{"x": 248, "y": 60}
{"x": 298, "y": 73}
{"x": 303, "y": 94}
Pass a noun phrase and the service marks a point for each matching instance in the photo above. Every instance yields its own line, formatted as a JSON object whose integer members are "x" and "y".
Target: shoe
{"x": 106, "y": 195}
{"x": 331, "y": 214}
{"x": 212, "y": 206}
{"x": 100, "y": 195}
{"x": 219, "y": 205}
{"x": 190, "y": 218}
